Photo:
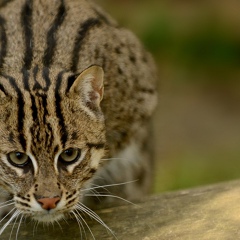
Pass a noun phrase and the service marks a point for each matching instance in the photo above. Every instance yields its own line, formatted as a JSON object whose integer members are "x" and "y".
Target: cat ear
{"x": 89, "y": 86}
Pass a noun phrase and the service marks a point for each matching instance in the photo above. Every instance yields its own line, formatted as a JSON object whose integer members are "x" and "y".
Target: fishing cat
{"x": 76, "y": 94}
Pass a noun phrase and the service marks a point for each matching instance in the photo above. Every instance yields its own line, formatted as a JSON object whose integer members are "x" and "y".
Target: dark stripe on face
{"x": 49, "y": 136}
{"x": 44, "y": 105}
{"x": 21, "y": 114}
{"x": 48, "y": 127}
{"x": 25, "y": 79}
{"x": 3, "y": 89}
{"x": 3, "y": 41}
{"x": 51, "y": 35}
{"x": 33, "y": 100}
{"x": 82, "y": 32}
{"x": 45, "y": 75}
{"x": 36, "y": 83}
{"x": 40, "y": 100}
{"x": 26, "y": 20}
{"x": 96, "y": 145}
{"x": 34, "y": 110}
{"x": 58, "y": 99}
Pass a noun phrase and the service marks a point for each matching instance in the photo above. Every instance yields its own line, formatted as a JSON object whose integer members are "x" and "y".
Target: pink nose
{"x": 49, "y": 203}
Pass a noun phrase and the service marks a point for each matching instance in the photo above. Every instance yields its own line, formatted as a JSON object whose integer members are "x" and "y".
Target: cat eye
{"x": 70, "y": 155}
{"x": 18, "y": 159}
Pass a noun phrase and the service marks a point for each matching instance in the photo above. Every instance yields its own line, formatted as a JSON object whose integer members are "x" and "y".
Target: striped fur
{"x": 51, "y": 56}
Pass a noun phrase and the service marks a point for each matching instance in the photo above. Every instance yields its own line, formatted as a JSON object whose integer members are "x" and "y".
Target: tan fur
{"x": 53, "y": 97}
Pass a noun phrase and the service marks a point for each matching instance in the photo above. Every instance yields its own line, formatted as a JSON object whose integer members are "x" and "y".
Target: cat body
{"x": 76, "y": 95}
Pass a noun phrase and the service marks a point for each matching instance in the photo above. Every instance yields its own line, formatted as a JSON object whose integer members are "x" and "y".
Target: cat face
{"x": 52, "y": 138}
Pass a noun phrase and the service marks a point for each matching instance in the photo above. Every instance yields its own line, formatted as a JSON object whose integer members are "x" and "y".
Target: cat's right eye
{"x": 18, "y": 159}
{"x": 70, "y": 155}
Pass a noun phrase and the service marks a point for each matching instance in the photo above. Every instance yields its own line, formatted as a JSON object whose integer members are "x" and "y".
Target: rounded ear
{"x": 89, "y": 86}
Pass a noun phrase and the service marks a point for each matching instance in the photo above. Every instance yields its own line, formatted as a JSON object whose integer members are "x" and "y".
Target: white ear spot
{"x": 89, "y": 86}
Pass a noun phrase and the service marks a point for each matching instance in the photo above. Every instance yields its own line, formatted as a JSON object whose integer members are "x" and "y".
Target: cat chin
{"x": 47, "y": 218}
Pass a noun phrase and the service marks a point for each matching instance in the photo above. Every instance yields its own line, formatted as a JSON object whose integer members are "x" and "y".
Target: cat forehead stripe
{"x": 3, "y": 40}
{"x": 45, "y": 76}
{"x": 51, "y": 38}
{"x": 81, "y": 34}
{"x": 21, "y": 113}
{"x": 59, "y": 113}
{"x": 51, "y": 35}
{"x": 26, "y": 20}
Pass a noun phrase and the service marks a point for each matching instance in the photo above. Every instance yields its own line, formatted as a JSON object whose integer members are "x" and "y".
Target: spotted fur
{"x": 58, "y": 59}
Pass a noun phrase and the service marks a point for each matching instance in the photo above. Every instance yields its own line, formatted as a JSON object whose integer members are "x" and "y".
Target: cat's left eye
{"x": 70, "y": 155}
{"x": 18, "y": 159}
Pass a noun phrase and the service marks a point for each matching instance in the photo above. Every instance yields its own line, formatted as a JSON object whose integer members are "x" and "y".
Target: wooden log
{"x": 211, "y": 212}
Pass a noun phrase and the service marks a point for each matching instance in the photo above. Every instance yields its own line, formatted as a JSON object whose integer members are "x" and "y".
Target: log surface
{"x": 211, "y": 212}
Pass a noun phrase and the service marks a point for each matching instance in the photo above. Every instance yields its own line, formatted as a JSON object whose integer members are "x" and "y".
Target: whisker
{"x": 65, "y": 220}
{"x": 79, "y": 224}
{"x": 95, "y": 194}
{"x": 7, "y": 205}
{"x": 92, "y": 214}
{"x": 109, "y": 185}
{"x": 112, "y": 196}
{"x": 7, "y": 214}
{"x": 19, "y": 224}
{"x": 48, "y": 223}
{"x": 15, "y": 214}
{"x": 85, "y": 224}
{"x": 59, "y": 225}
{"x": 11, "y": 200}
{"x": 35, "y": 226}
{"x": 13, "y": 226}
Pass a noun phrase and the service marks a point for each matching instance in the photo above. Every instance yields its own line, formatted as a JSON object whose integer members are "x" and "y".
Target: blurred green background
{"x": 196, "y": 45}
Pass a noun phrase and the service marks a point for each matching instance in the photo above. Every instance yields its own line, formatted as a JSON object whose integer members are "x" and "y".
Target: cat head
{"x": 52, "y": 136}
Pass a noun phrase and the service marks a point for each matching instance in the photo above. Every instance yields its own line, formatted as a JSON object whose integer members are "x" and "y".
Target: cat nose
{"x": 49, "y": 203}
